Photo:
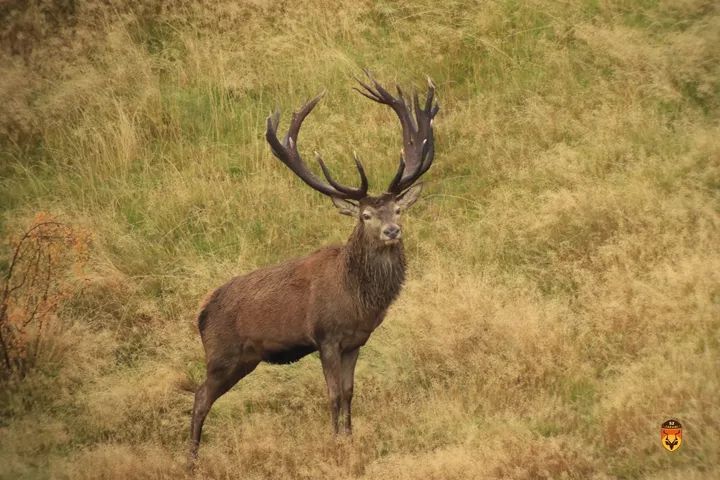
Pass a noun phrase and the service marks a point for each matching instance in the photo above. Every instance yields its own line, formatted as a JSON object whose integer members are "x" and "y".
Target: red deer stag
{"x": 332, "y": 299}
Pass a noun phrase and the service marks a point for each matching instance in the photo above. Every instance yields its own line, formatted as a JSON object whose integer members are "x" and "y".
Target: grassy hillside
{"x": 564, "y": 288}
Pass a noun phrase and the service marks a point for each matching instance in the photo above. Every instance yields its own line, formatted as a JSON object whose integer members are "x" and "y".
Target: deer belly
{"x": 287, "y": 355}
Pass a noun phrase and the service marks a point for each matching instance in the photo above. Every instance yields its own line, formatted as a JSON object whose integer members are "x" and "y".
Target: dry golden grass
{"x": 564, "y": 293}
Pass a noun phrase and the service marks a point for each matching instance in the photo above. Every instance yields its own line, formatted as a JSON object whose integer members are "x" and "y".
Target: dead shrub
{"x": 44, "y": 270}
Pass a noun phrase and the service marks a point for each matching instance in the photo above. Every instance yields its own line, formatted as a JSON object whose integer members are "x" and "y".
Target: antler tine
{"x": 361, "y": 171}
{"x": 287, "y": 152}
{"x": 299, "y": 116}
{"x": 341, "y": 188}
{"x": 271, "y": 135}
{"x": 400, "y": 171}
{"x": 418, "y": 142}
{"x": 368, "y": 93}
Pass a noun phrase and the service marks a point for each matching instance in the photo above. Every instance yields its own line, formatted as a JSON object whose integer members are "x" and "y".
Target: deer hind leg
{"x": 349, "y": 359}
{"x": 331, "y": 362}
{"x": 220, "y": 379}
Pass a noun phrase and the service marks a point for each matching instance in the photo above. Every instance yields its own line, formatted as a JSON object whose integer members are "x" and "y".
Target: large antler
{"x": 418, "y": 147}
{"x": 288, "y": 153}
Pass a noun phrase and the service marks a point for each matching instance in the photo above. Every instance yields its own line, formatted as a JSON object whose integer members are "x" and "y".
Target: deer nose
{"x": 391, "y": 232}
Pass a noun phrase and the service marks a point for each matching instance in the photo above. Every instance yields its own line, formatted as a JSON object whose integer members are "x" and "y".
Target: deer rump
{"x": 265, "y": 315}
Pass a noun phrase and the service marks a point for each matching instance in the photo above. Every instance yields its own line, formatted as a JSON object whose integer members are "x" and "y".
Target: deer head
{"x": 379, "y": 216}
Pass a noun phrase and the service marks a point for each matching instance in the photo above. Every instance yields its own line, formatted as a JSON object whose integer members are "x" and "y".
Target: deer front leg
{"x": 332, "y": 362}
{"x": 349, "y": 359}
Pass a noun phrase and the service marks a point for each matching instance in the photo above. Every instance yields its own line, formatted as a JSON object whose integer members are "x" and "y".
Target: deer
{"x": 333, "y": 299}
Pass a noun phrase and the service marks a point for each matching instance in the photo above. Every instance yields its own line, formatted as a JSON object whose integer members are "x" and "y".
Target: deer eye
{"x": 397, "y": 210}
{"x": 366, "y": 216}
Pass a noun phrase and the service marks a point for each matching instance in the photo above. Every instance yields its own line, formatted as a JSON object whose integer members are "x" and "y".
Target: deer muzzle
{"x": 391, "y": 233}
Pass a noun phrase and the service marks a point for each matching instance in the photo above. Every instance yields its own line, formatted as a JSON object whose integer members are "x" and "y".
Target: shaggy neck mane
{"x": 375, "y": 271}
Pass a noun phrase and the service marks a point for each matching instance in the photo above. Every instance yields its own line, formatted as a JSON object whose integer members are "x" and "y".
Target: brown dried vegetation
{"x": 45, "y": 269}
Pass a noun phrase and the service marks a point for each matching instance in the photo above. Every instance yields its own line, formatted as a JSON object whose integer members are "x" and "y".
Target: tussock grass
{"x": 564, "y": 294}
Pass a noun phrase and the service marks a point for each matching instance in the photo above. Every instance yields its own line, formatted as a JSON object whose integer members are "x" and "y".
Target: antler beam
{"x": 287, "y": 152}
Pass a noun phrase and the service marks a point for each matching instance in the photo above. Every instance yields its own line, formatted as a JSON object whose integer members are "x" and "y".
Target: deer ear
{"x": 346, "y": 207}
{"x": 409, "y": 196}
